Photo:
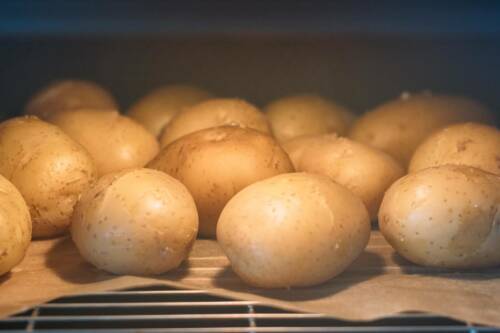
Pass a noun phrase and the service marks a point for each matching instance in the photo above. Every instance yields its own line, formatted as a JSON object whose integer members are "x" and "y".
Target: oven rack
{"x": 163, "y": 309}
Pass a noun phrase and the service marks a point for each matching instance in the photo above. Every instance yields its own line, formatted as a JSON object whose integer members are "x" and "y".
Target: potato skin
{"x": 137, "y": 221}
{"x": 471, "y": 144}
{"x": 447, "y": 216}
{"x": 300, "y": 115}
{"x": 48, "y": 168}
{"x": 15, "y": 226}
{"x": 292, "y": 230}
{"x": 212, "y": 113}
{"x": 364, "y": 170}
{"x": 399, "y": 126}
{"x": 216, "y": 163}
{"x": 69, "y": 95}
{"x": 155, "y": 110}
{"x": 115, "y": 142}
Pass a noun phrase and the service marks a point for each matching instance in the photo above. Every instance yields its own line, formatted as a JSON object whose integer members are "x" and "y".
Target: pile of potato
{"x": 290, "y": 192}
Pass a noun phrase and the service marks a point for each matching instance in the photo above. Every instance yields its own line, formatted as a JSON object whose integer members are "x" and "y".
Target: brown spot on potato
{"x": 462, "y": 145}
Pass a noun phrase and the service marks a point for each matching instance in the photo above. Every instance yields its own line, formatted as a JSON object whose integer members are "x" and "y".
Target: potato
{"x": 470, "y": 144}
{"x": 137, "y": 221}
{"x": 295, "y": 116}
{"x": 155, "y": 110}
{"x": 366, "y": 171}
{"x": 15, "y": 226}
{"x": 447, "y": 216}
{"x": 399, "y": 126}
{"x": 292, "y": 230}
{"x": 48, "y": 168}
{"x": 212, "y": 113}
{"x": 216, "y": 163}
{"x": 69, "y": 95}
{"x": 115, "y": 142}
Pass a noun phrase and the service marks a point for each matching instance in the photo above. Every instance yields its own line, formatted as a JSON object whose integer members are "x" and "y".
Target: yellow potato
{"x": 469, "y": 144}
{"x": 155, "y": 110}
{"x": 115, "y": 142}
{"x": 137, "y": 221}
{"x": 48, "y": 168}
{"x": 69, "y": 95}
{"x": 292, "y": 230}
{"x": 295, "y": 116}
{"x": 15, "y": 226}
{"x": 447, "y": 216}
{"x": 399, "y": 126}
{"x": 364, "y": 170}
{"x": 216, "y": 163}
{"x": 212, "y": 113}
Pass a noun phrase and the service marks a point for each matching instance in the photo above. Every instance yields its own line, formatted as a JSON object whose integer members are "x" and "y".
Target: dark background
{"x": 359, "y": 53}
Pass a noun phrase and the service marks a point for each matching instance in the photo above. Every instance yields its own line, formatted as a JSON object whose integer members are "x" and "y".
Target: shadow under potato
{"x": 63, "y": 258}
{"x": 176, "y": 274}
{"x": 355, "y": 274}
{"x": 407, "y": 267}
{"x": 5, "y": 277}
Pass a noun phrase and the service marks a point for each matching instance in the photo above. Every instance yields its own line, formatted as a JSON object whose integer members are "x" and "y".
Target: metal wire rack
{"x": 163, "y": 309}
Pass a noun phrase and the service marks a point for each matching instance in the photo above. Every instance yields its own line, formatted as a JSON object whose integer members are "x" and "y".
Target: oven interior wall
{"x": 358, "y": 71}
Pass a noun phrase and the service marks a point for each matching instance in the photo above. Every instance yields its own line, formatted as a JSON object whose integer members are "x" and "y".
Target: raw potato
{"x": 115, "y": 142}
{"x": 212, "y": 113}
{"x": 69, "y": 95}
{"x": 48, "y": 168}
{"x": 155, "y": 110}
{"x": 136, "y": 221}
{"x": 399, "y": 126}
{"x": 295, "y": 116}
{"x": 469, "y": 144}
{"x": 216, "y": 163}
{"x": 15, "y": 226}
{"x": 293, "y": 230}
{"x": 366, "y": 171}
{"x": 447, "y": 216}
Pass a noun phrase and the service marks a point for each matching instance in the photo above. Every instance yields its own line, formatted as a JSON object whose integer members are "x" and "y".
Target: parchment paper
{"x": 378, "y": 284}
